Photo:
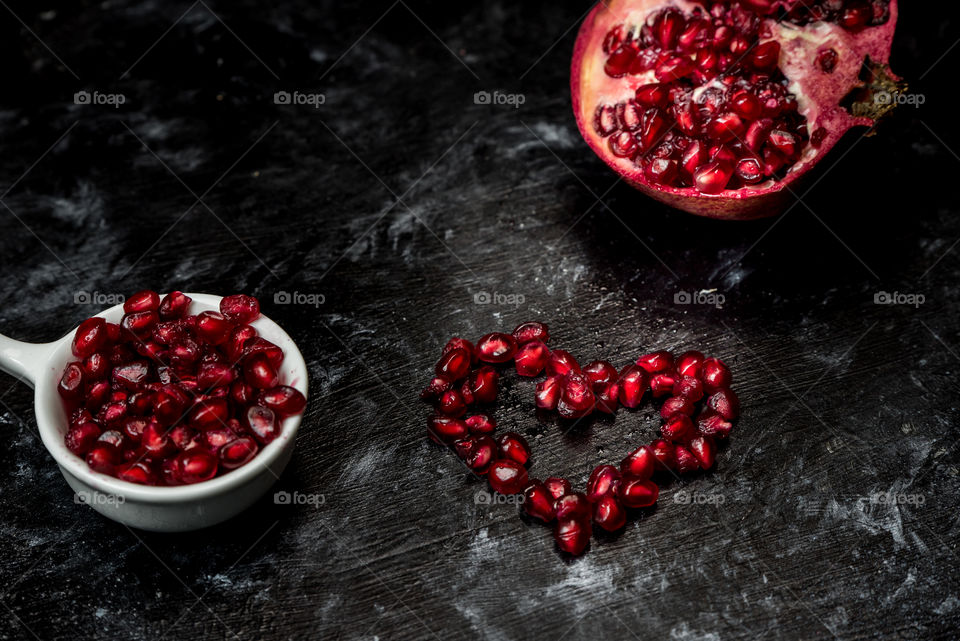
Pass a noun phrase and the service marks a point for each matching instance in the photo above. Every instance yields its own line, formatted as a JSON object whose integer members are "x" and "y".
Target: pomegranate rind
{"x": 819, "y": 99}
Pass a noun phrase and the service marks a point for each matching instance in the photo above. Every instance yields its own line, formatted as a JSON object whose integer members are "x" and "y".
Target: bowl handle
{"x": 23, "y": 360}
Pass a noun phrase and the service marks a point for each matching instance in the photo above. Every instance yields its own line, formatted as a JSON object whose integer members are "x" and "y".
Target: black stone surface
{"x": 398, "y": 201}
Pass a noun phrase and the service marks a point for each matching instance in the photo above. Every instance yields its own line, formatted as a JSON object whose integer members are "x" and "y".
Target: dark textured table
{"x": 387, "y": 210}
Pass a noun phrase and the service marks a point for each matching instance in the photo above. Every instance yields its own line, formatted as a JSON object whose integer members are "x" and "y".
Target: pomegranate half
{"x": 717, "y": 107}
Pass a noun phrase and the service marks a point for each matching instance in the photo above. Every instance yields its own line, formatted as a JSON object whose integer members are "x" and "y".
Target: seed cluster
{"x": 698, "y": 409}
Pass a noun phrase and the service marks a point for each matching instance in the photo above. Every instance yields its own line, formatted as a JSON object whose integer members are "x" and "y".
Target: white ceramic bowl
{"x": 159, "y": 509}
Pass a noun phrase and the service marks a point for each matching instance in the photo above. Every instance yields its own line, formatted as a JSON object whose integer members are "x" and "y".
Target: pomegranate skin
{"x": 798, "y": 60}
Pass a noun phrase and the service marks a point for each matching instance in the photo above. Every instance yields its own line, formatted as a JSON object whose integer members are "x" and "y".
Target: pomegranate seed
{"x": 538, "y": 502}
{"x": 750, "y": 171}
{"x": 572, "y": 506}
{"x": 237, "y": 453}
{"x": 174, "y": 305}
{"x": 632, "y": 386}
{"x": 103, "y": 458}
{"x": 653, "y": 127}
{"x": 259, "y": 371}
{"x": 608, "y": 513}
{"x": 454, "y": 364}
{"x": 216, "y": 437}
{"x": 485, "y": 384}
{"x": 137, "y": 472}
{"x": 746, "y": 105}
{"x": 460, "y": 343}
{"x": 656, "y": 361}
{"x": 639, "y": 463}
{"x": 605, "y": 120}
{"x": 531, "y": 331}
{"x": 548, "y": 392}
{"x": 196, "y": 465}
{"x": 81, "y": 439}
{"x": 239, "y": 336}
{"x": 725, "y": 403}
{"x": 607, "y": 398}
{"x": 652, "y": 95}
{"x": 89, "y": 337}
{"x": 283, "y": 400}
{"x": 95, "y": 367}
{"x": 688, "y": 363}
{"x": 726, "y": 127}
{"x": 451, "y": 403}
{"x": 480, "y": 424}
{"x": 674, "y": 69}
{"x": 145, "y": 301}
{"x": 507, "y": 476}
{"x": 214, "y": 375}
{"x": 678, "y": 428}
{"x": 662, "y": 383}
{"x": 182, "y": 436}
{"x": 689, "y": 388}
{"x": 613, "y": 38}
{"x": 709, "y": 423}
{"x": 155, "y": 441}
{"x": 576, "y": 396}
{"x": 713, "y": 177}
{"x": 482, "y": 454}
{"x": 133, "y": 428}
{"x": 663, "y": 171}
{"x": 766, "y": 56}
{"x": 618, "y": 64}
{"x": 70, "y": 386}
{"x": 97, "y": 394}
{"x": 557, "y": 487}
{"x": 241, "y": 393}
{"x": 664, "y": 452}
{"x": 435, "y": 388}
{"x": 211, "y": 412}
{"x": 715, "y": 375}
{"x": 758, "y": 133}
{"x": 112, "y": 414}
{"x": 240, "y": 308}
{"x": 635, "y": 492}
{"x": 262, "y": 423}
{"x": 704, "y": 450}
{"x": 600, "y": 374}
{"x": 623, "y": 145}
{"x": 827, "y": 60}
{"x": 132, "y": 375}
{"x": 496, "y": 348}
{"x": 676, "y": 405}
{"x": 213, "y": 327}
{"x": 561, "y": 362}
{"x": 605, "y": 480}
{"x": 446, "y": 429}
{"x": 514, "y": 447}
{"x": 467, "y": 393}
{"x": 686, "y": 461}
{"x": 572, "y": 535}
{"x": 139, "y": 323}
{"x": 531, "y": 358}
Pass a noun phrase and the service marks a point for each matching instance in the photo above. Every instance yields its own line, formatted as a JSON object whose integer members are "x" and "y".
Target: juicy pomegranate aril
{"x": 156, "y": 400}
{"x": 716, "y": 107}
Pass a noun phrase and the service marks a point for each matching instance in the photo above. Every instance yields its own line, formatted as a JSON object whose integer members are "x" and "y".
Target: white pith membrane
{"x": 818, "y": 101}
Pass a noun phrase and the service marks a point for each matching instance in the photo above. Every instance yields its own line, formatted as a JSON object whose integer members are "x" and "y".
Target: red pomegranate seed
{"x": 216, "y": 437}
{"x": 632, "y": 386}
{"x": 214, "y": 375}
{"x": 241, "y": 393}
{"x": 557, "y": 486}
{"x": 676, "y": 405}
{"x": 686, "y": 461}
{"x": 572, "y": 506}
{"x": 451, "y": 403}
{"x": 139, "y": 324}
{"x": 507, "y": 476}
{"x": 237, "y": 453}
{"x": 137, "y": 472}
{"x": 168, "y": 405}
{"x": 607, "y": 398}
{"x": 79, "y": 416}
{"x": 131, "y": 376}
{"x": 689, "y": 388}
{"x": 639, "y": 463}
{"x": 482, "y": 454}
{"x": 713, "y": 177}
{"x": 635, "y": 492}
{"x": 480, "y": 424}
{"x": 196, "y": 465}
{"x": 259, "y": 371}
{"x": 283, "y": 400}
{"x": 618, "y": 64}
{"x": 576, "y": 396}
{"x": 548, "y": 393}
{"x": 213, "y": 327}
{"x": 573, "y": 535}
{"x": 725, "y": 403}
{"x": 71, "y": 382}
{"x": 182, "y": 436}
{"x": 726, "y": 127}
{"x": 435, "y": 388}
{"x": 144, "y": 301}
{"x": 531, "y": 331}
{"x": 746, "y": 105}
{"x": 605, "y": 120}
{"x": 82, "y": 438}
{"x": 538, "y": 502}
{"x": 656, "y": 362}
{"x": 262, "y": 423}
{"x": 103, "y": 458}
{"x": 678, "y": 428}
{"x": 239, "y": 336}
{"x": 112, "y": 414}
{"x": 662, "y": 383}
{"x": 496, "y": 348}
{"x": 600, "y": 373}
{"x": 95, "y": 367}
{"x": 604, "y": 480}
{"x": 454, "y": 364}
{"x": 485, "y": 384}
{"x": 89, "y": 337}
{"x": 514, "y": 447}
{"x": 174, "y": 305}
{"x": 446, "y": 429}
{"x": 750, "y": 171}
{"x": 664, "y": 452}
{"x": 704, "y": 450}
{"x": 608, "y": 513}
{"x": 709, "y": 423}
{"x": 766, "y": 56}
{"x": 688, "y": 364}
{"x": 561, "y": 362}
{"x": 240, "y": 308}
{"x": 133, "y": 427}
{"x": 212, "y": 412}
{"x": 97, "y": 394}
{"x": 715, "y": 375}
{"x": 467, "y": 393}
{"x": 155, "y": 441}
{"x": 531, "y": 358}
